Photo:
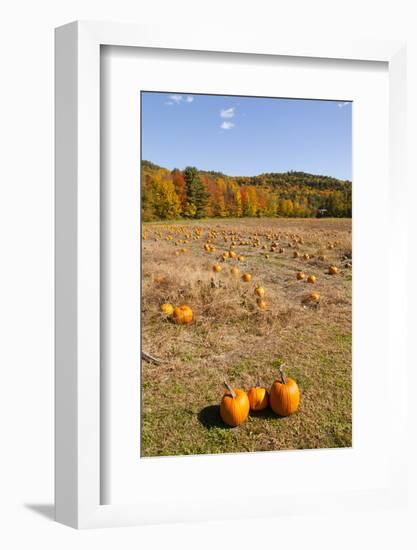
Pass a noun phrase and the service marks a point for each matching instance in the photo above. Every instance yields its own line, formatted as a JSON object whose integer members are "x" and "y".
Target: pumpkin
{"x": 234, "y": 407}
{"x": 300, "y": 276}
{"x": 284, "y": 395}
{"x": 167, "y": 309}
{"x": 306, "y": 257}
{"x": 258, "y": 398}
{"x": 183, "y": 315}
{"x": 296, "y": 254}
{"x": 217, "y": 268}
{"x": 261, "y": 303}
{"x": 234, "y": 271}
{"x": 333, "y": 269}
{"x": 311, "y": 279}
{"x": 260, "y": 291}
{"x": 314, "y": 297}
{"x": 246, "y": 277}
{"x": 241, "y": 258}
{"x": 158, "y": 279}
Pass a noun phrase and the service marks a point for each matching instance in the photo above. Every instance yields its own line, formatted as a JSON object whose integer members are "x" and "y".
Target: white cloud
{"x": 225, "y": 125}
{"x": 227, "y": 113}
{"x": 343, "y": 104}
{"x": 176, "y": 98}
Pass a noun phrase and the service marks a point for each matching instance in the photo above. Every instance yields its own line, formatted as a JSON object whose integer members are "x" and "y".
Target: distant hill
{"x": 193, "y": 193}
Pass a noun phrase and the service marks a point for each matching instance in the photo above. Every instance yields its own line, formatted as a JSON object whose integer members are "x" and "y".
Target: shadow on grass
{"x": 210, "y": 417}
{"x": 266, "y": 413}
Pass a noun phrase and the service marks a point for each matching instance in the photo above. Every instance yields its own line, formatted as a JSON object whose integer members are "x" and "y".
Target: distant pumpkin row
{"x": 283, "y": 398}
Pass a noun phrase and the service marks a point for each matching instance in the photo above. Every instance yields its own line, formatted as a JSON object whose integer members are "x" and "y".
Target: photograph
{"x": 246, "y": 273}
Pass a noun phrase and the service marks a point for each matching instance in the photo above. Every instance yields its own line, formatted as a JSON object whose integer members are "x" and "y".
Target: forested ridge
{"x": 191, "y": 193}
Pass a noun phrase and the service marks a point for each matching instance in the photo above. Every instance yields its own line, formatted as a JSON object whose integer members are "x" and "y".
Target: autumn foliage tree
{"x": 195, "y": 194}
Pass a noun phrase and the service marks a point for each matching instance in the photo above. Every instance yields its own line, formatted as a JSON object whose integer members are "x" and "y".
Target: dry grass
{"x": 231, "y": 338}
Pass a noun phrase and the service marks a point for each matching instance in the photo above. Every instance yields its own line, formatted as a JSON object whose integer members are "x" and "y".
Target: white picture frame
{"x": 77, "y": 240}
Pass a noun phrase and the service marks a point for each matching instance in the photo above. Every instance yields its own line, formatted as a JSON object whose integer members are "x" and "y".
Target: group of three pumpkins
{"x": 283, "y": 398}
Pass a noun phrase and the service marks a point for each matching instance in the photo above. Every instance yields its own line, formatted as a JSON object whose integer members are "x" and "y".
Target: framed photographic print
{"x": 221, "y": 212}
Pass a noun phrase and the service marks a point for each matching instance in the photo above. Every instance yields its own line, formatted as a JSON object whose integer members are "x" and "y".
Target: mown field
{"x": 232, "y": 338}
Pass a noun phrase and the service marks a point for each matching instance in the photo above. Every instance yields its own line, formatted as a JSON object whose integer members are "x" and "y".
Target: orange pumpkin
{"x": 234, "y": 271}
{"x": 260, "y": 291}
{"x": 234, "y": 407}
{"x": 262, "y": 304}
{"x": 333, "y": 269}
{"x": 183, "y": 315}
{"x": 217, "y": 268}
{"x": 314, "y": 297}
{"x": 241, "y": 258}
{"x": 311, "y": 279}
{"x": 258, "y": 398}
{"x": 284, "y": 395}
{"x": 300, "y": 276}
{"x": 246, "y": 277}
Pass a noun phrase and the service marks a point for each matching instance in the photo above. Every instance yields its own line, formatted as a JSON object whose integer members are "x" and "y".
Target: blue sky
{"x": 246, "y": 136}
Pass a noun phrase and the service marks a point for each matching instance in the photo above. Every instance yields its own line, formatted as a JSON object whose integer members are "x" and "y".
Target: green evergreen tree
{"x": 196, "y": 192}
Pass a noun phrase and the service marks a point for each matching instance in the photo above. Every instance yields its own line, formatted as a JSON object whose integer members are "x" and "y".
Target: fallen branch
{"x": 150, "y": 359}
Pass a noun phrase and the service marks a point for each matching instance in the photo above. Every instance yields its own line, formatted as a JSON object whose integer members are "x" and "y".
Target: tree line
{"x": 191, "y": 193}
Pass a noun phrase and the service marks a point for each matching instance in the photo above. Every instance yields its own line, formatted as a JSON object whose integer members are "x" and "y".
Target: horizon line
{"x": 246, "y": 176}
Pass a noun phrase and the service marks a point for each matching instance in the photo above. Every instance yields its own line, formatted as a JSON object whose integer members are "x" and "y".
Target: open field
{"x": 232, "y": 338}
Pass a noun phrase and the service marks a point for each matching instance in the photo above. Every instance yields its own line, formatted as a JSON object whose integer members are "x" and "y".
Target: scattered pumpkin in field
{"x": 262, "y": 304}
{"x": 314, "y": 297}
{"x": 260, "y": 291}
{"x": 284, "y": 395}
{"x": 183, "y": 315}
{"x": 246, "y": 277}
{"x": 234, "y": 271}
{"x": 258, "y": 398}
{"x": 234, "y": 407}
{"x": 306, "y": 257}
{"x": 167, "y": 309}
{"x": 217, "y": 268}
{"x": 241, "y": 258}
{"x": 296, "y": 254}
{"x": 300, "y": 276}
{"x": 311, "y": 279}
{"x": 232, "y": 254}
{"x": 184, "y": 250}
{"x": 158, "y": 279}
{"x": 333, "y": 269}
{"x": 177, "y": 253}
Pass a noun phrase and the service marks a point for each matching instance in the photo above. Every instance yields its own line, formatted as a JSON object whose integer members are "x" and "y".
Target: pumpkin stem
{"x": 230, "y": 389}
{"x": 283, "y": 379}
